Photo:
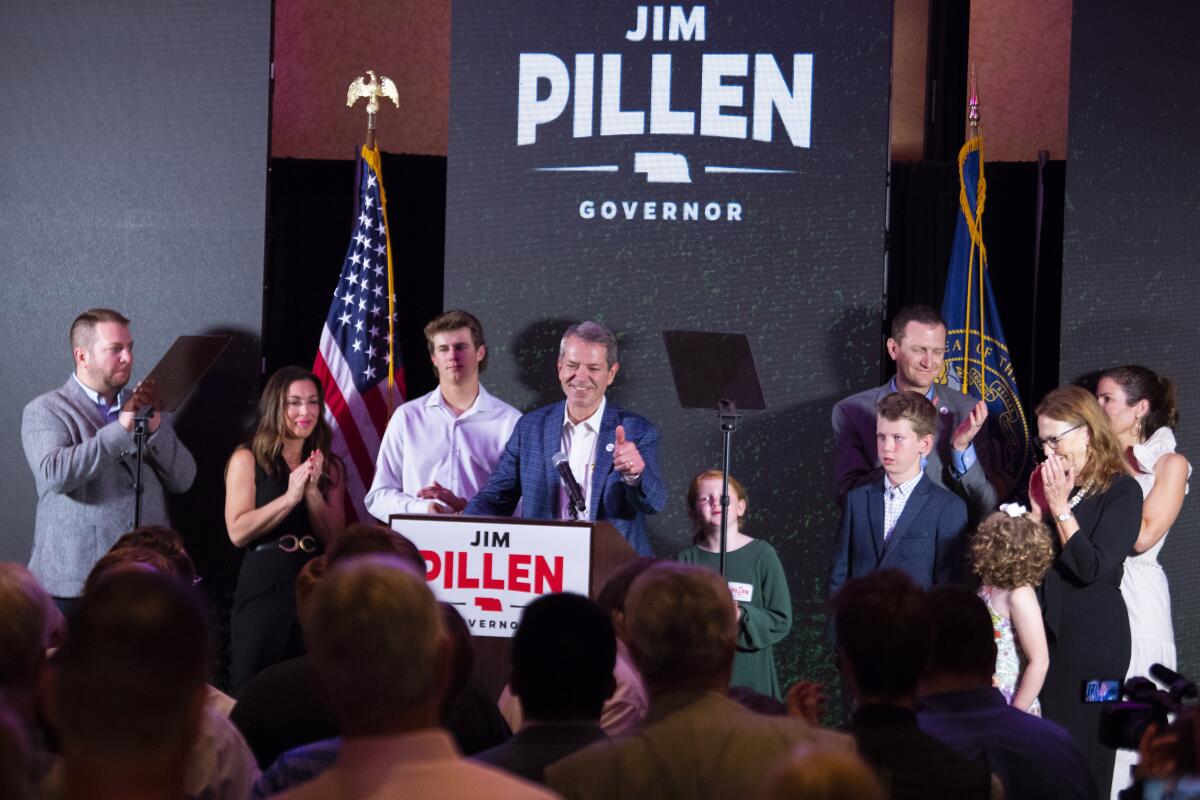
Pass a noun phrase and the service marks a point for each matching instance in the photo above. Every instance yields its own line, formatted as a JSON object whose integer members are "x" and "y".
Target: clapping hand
{"x": 1057, "y": 482}
{"x": 316, "y": 463}
{"x": 1037, "y": 494}
{"x": 806, "y": 700}
{"x": 299, "y": 480}
{"x": 144, "y": 394}
{"x": 964, "y": 434}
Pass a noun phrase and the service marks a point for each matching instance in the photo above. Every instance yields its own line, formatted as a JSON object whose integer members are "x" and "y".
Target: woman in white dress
{"x": 1140, "y": 407}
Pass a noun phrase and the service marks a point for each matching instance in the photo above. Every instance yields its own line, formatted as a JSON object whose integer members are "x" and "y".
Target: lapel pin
{"x": 608, "y": 448}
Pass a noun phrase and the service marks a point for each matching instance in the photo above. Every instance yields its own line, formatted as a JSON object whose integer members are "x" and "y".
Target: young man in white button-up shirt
{"x": 439, "y": 449}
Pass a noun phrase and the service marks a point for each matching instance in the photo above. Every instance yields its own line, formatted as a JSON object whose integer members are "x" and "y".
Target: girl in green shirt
{"x": 755, "y": 576}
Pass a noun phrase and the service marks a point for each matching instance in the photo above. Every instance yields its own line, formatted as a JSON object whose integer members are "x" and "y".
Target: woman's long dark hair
{"x": 1158, "y": 391}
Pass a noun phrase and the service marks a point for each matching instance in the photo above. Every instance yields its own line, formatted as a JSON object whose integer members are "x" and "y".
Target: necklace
{"x": 1083, "y": 492}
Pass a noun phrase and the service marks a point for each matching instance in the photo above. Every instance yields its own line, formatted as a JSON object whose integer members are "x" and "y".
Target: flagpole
{"x": 372, "y": 89}
{"x": 976, "y": 219}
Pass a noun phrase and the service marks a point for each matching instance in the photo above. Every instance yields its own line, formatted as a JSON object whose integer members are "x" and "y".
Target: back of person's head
{"x": 130, "y": 679}
{"x": 310, "y": 575}
{"x": 375, "y": 639}
{"x": 127, "y": 559}
{"x": 1008, "y": 552}
{"x": 912, "y": 406}
{"x": 964, "y": 642}
{"x": 824, "y": 775}
{"x": 681, "y": 623}
{"x": 15, "y": 754}
{"x": 462, "y": 651}
{"x": 884, "y": 633}
{"x": 361, "y": 539}
{"x": 165, "y": 541}
{"x": 612, "y": 595}
{"x": 563, "y": 655}
{"x": 24, "y": 622}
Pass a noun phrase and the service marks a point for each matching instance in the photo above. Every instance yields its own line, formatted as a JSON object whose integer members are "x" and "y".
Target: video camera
{"x": 1123, "y": 723}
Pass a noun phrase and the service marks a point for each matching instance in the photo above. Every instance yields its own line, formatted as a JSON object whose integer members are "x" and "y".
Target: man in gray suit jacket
{"x": 79, "y": 442}
{"x": 960, "y": 460}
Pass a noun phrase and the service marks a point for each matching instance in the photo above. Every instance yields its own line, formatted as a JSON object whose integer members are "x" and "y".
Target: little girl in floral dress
{"x": 1011, "y": 552}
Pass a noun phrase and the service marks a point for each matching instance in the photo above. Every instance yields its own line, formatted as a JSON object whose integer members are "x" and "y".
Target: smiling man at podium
{"x": 611, "y": 453}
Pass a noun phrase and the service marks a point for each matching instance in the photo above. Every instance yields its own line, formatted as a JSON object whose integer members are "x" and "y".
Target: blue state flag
{"x": 977, "y": 358}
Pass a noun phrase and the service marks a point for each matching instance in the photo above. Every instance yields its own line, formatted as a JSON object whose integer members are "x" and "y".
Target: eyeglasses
{"x": 1041, "y": 444}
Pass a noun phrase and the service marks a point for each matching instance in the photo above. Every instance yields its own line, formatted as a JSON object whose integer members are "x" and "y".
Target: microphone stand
{"x": 727, "y": 413}
{"x": 141, "y": 420}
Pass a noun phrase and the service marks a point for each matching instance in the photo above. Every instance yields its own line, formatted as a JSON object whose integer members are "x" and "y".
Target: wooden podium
{"x": 490, "y": 568}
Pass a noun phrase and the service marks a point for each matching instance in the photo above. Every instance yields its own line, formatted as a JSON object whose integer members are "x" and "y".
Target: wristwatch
{"x": 1064, "y": 516}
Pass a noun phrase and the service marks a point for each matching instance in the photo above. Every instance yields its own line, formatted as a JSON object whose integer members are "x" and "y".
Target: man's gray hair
{"x": 374, "y": 633}
{"x": 681, "y": 622}
{"x": 594, "y": 332}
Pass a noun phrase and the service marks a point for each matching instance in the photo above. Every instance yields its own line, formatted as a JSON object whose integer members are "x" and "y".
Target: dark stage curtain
{"x": 310, "y": 219}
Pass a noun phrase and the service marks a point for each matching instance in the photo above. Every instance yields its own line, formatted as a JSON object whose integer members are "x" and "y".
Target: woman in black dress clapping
{"x": 283, "y": 501}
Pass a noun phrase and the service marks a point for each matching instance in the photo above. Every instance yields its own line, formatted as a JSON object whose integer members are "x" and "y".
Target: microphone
{"x": 1179, "y": 686}
{"x": 577, "y": 504}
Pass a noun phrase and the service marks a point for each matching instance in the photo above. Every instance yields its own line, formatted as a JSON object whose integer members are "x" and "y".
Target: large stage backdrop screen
{"x": 715, "y": 167}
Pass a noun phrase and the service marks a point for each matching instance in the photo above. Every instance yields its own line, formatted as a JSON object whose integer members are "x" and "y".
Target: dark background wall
{"x": 133, "y": 175}
{"x": 1131, "y": 242}
{"x": 802, "y": 274}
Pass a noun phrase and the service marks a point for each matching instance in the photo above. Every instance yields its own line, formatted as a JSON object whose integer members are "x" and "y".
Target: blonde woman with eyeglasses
{"x": 1094, "y": 510}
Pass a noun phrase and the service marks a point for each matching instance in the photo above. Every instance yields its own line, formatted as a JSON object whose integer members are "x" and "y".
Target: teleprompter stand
{"x": 174, "y": 377}
{"x": 716, "y": 370}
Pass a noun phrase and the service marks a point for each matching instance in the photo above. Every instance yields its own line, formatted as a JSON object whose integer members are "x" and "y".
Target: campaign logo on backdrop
{"x": 694, "y": 96}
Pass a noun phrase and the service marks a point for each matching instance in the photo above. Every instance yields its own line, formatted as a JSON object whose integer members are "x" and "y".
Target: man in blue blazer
{"x": 613, "y": 453}
{"x": 903, "y": 520}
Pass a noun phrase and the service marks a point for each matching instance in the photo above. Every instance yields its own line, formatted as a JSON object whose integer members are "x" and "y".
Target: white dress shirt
{"x": 579, "y": 443}
{"x": 425, "y": 442}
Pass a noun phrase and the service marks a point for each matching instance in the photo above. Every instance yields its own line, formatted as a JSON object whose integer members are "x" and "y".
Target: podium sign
{"x": 490, "y": 569}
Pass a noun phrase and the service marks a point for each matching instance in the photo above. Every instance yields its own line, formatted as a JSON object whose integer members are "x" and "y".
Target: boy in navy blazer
{"x": 903, "y": 521}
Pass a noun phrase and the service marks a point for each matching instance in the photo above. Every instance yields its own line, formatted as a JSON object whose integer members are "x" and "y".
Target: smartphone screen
{"x": 1102, "y": 690}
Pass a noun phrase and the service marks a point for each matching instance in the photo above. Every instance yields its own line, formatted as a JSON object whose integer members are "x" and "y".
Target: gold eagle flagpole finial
{"x": 372, "y": 89}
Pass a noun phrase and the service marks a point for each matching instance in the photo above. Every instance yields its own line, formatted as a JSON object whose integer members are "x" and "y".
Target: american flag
{"x": 356, "y": 359}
